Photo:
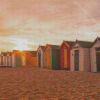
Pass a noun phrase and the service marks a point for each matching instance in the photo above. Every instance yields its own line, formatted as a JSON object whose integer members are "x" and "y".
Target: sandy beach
{"x": 32, "y": 83}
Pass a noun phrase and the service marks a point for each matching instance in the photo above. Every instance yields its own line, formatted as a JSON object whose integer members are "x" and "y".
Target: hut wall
{"x": 18, "y": 61}
{"x": 40, "y": 50}
{"x": 0, "y": 60}
{"x": 10, "y": 62}
{"x": 93, "y": 56}
{"x": 5, "y": 60}
{"x": 24, "y": 59}
{"x": 55, "y": 59}
{"x": 50, "y": 58}
{"x": 62, "y": 56}
{"x": 81, "y": 57}
{"x": 44, "y": 61}
{"x": 32, "y": 61}
{"x": 87, "y": 64}
{"x": 13, "y": 60}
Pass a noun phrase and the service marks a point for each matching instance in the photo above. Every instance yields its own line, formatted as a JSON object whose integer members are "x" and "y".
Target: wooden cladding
{"x": 65, "y": 58}
{"x": 47, "y": 59}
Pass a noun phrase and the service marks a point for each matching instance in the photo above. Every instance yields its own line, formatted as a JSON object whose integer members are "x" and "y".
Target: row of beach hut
{"x": 75, "y": 56}
{"x": 18, "y": 58}
{"x": 72, "y": 55}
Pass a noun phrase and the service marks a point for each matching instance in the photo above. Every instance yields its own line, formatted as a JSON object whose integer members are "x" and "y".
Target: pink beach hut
{"x": 80, "y": 56}
{"x": 95, "y": 55}
{"x": 40, "y": 56}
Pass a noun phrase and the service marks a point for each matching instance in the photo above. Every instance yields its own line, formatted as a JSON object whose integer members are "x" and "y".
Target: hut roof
{"x": 70, "y": 43}
{"x": 18, "y": 52}
{"x": 10, "y": 53}
{"x": 42, "y": 47}
{"x": 31, "y": 53}
{"x": 4, "y": 53}
{"x": 83, "y": 44}
{"x": 52, "y": 47}
{"x": 97, "y": 39}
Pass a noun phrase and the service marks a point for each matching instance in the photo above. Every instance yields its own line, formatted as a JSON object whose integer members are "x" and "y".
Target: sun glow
{"x": 21, "y": 45}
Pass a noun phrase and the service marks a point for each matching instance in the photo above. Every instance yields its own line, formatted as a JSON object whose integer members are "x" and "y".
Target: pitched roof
{"x": 52, "y": 47}
{"x": 83, "y": 44}
{"x": 4, "y": 53}
{"x": 42, "y": 47}
{"x": 70, "y": 43}
{"x": 17, "y": 52}
{"x": 10, "y": 53}
{"x": 55, "y": 47}
{"x": 97, "y": 39}
{"x": 31, "y": 53}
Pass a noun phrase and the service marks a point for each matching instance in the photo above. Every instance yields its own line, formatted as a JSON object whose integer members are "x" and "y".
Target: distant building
{"x": 40, "y": 56}
{"x": 16, "y": 58}
{"x": 51, "y": 56}
{"x": 9, "y": 58}
{"x": 3, "y": 59}
{"x": 95, "y": 55}
{"x": 65, "y": 54}
{"x": 29, "y": 58}
{"x": 80, "y": 56}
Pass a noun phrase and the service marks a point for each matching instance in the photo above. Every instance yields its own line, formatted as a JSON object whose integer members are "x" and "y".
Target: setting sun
{"x": 21, "y": 47}
{"x": 21, "y": 44}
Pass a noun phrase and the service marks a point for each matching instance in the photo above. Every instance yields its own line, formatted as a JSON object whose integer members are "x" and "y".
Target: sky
{"x": 26, "y": 24}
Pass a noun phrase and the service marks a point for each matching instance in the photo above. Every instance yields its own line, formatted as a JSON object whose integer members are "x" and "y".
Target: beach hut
{"x": 23, "y": 58}
{"x": 40, "y": 56}
{"x": 9, "y": 58}
{"x": 51, "y": 56}
{"x": 95, "y": 55}
{"x": 29, "y": 58}
{"x": 80, "y": 56}
{"x": 0, "y": 59}
{"x": 3, "y": 59}
{"x": 16, "y": 58}
{"x": 65, "y": 54}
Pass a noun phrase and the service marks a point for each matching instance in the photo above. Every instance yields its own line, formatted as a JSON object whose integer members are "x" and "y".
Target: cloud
{"x": 48, "y": 21}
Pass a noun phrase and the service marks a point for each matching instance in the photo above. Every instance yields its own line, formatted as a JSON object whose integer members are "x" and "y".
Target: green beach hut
{"x": 51, "y": 56}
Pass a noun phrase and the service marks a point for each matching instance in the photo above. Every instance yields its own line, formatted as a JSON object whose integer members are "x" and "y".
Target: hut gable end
{"x": 83, "y": 44}
{"x": 96, "y": 44}
{"x": 76, "y": 45}
{"x": 47, "y": 46}
{"x": 40, "y": 48}
{"x": 63, "y": 44}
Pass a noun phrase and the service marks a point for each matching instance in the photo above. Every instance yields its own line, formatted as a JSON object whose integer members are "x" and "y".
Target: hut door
{"x": 7, "y": 60}
{"x": 47, "y": 59}
{"x": 39, "y": 58}
{"x": 65, "y": 58}
{"x": 1, "y": 60}
{"x": 76, "y": 60}
{"x": 23, "y": 61}
{"x": 98, "y": 61}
